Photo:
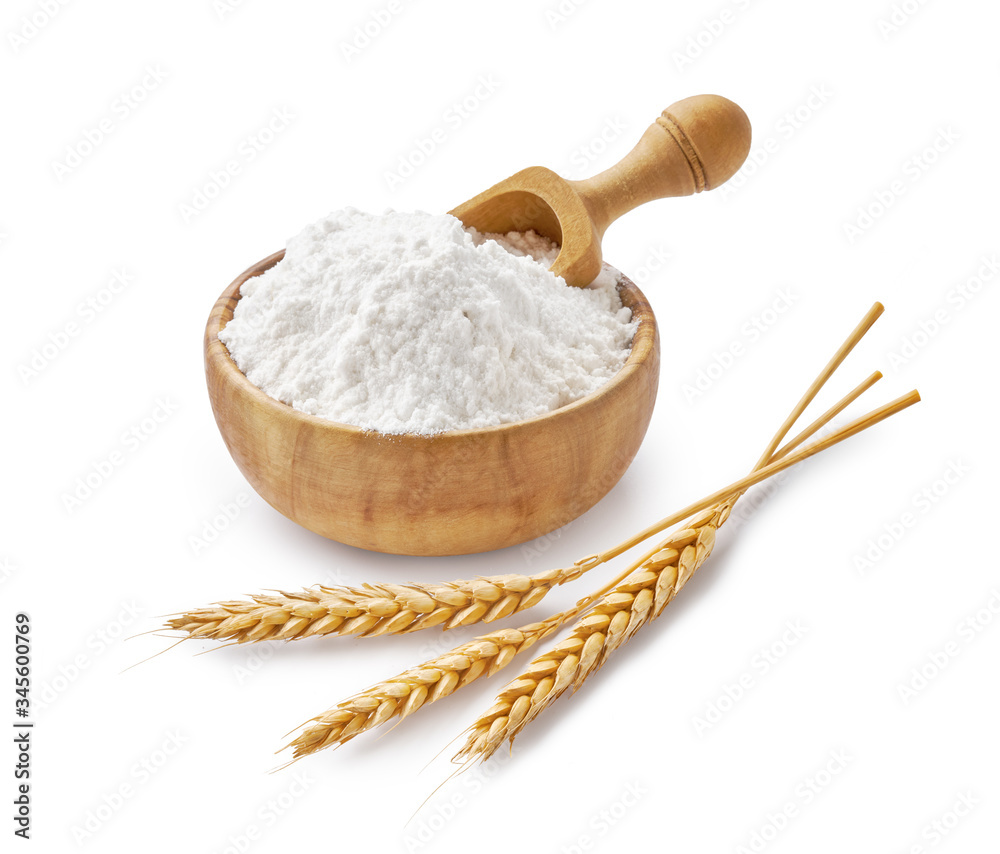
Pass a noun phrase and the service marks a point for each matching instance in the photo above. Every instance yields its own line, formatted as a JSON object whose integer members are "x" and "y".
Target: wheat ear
{"x": 372, "y": 609}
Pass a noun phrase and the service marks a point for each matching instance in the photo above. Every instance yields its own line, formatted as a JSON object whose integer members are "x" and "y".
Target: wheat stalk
{"x": 420, "y": 686}
{"x": 373, "y": 609}
{"x": 605, "y": 620}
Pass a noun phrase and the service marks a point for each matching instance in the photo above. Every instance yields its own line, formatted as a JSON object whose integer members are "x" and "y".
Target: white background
{"x": 624, "y": 762}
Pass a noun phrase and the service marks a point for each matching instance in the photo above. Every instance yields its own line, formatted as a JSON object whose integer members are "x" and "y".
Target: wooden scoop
{"x": 696, "y": 144}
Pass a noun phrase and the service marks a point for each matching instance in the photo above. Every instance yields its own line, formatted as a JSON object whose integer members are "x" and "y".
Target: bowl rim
{"x": 217, "y": 354}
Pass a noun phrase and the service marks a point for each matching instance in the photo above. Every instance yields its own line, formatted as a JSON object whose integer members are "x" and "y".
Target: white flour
{"x": 407, "y": 323}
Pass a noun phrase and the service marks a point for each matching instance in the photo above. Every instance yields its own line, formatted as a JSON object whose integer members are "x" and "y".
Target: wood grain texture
{"x": 696, "y": 144}
{"x": 453, "y": 493}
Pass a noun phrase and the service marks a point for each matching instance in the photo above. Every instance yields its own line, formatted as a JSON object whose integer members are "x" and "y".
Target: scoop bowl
{"x": 458, "y": 492}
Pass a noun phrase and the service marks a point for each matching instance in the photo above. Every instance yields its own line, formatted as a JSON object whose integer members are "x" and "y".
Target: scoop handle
{"x": 696, "y": 144}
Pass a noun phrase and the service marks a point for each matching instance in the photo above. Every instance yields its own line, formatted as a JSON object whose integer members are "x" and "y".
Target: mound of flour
{"x": 409, "y": 323}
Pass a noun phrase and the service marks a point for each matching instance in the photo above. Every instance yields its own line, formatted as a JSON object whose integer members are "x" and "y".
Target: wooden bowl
{"x": 457, "y": 492}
